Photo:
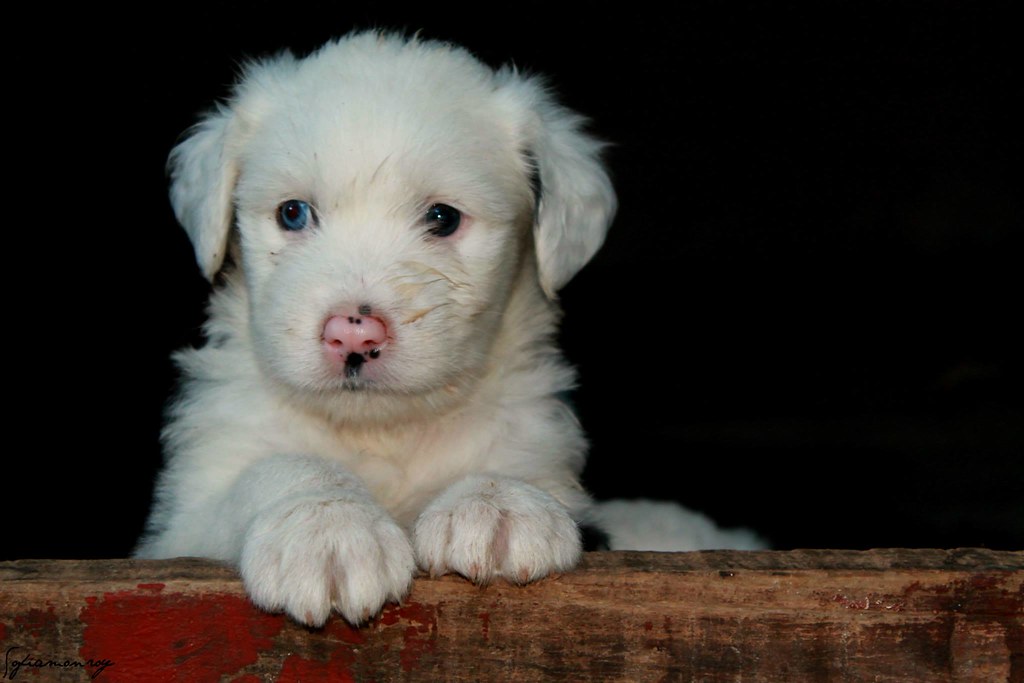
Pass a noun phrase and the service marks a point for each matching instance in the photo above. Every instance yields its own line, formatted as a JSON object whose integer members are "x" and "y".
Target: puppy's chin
{"x": 359, "y": 402}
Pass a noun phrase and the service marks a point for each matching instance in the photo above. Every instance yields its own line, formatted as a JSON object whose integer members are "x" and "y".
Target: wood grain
{"x": 815, "y": 615}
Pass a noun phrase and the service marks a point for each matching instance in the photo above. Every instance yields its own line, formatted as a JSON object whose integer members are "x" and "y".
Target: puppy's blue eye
{"x": 442, "y": 220}
{"x": 294, "y": 214}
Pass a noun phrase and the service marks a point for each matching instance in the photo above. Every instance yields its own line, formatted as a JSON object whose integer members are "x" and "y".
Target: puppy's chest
{"x": 404, "y": 468}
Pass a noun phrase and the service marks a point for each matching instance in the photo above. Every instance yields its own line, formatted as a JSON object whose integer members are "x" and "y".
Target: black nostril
{"x": 353, "y": 363}
{"x": 365, "y": 309}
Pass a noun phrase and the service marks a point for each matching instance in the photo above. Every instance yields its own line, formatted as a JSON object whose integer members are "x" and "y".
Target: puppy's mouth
{"x": 354, "y": 362}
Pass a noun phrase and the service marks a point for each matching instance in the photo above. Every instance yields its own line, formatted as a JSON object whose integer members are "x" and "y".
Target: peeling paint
{"x": 343, "y": 641}
{"x": 337, "y": 669}
{"x": 152, "y": 636}
{"x": 36, "y": 622}
{"x": 419, "y": 636}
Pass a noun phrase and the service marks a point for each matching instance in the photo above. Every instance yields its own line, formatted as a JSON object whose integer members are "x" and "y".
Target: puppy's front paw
{"x": 310, "y": 556}
{"x": 487, "y": 527}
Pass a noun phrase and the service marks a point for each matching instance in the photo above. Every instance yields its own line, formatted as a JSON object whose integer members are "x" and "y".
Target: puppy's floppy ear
{"x": 576, "y": 201}
{"x": 203, "y": 169}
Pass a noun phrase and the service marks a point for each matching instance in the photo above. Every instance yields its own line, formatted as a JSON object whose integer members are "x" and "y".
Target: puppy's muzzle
{"x": 352, "y": 338}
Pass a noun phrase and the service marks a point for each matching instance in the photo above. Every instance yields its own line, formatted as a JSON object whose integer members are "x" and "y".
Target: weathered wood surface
{"x": 882, "y": 615}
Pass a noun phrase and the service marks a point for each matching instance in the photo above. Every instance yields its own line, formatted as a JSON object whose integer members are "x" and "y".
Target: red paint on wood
{"x": 247, "y": 678}
{"x": 389, "y": 617}
{"x": 152, "y": 587}
{"x": 151, "y": 636}
{"x": 338, "y": 666}
{"x": 336, "y": 670}
{"x": 419, "y": 636}
{"x": 36, "y": 622}
{"x": 339, "y": 629}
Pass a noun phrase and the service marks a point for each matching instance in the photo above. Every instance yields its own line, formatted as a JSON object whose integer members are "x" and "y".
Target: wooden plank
{"x": 881, "y": 615}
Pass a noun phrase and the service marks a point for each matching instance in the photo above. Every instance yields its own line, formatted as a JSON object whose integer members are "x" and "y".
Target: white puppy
{"x": 380, "y": 388}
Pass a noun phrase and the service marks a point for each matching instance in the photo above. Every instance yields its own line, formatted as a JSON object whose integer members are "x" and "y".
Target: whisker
{"x": 411, "y": 289}
{"x": 373, "y": 178}
{"x": 427, "y": 269}
{"x": 416, "y": 315}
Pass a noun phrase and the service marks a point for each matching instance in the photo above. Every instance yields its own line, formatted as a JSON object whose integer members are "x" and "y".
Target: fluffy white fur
{"x": 667, "y": 527}
{"x": 453, "y": 450}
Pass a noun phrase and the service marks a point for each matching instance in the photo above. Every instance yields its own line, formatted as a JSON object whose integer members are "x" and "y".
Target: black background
{"x": 805, "y": 319}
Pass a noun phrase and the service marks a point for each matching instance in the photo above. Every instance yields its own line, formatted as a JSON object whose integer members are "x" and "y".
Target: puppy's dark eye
{"x": 442, "y": 220}
{"x": 294, "y": 214}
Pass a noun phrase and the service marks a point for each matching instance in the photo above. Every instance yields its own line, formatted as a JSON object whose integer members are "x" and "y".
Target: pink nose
{"x": 354, "y": 333}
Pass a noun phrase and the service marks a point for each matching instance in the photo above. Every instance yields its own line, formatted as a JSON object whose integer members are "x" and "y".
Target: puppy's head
{"x": 387, "y": 205}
